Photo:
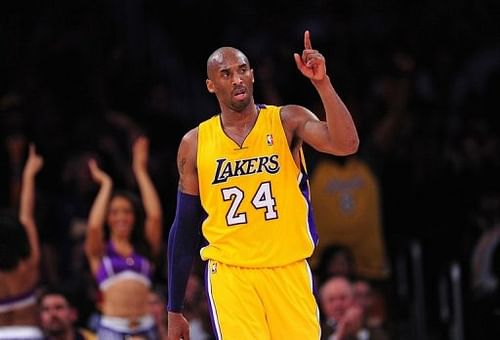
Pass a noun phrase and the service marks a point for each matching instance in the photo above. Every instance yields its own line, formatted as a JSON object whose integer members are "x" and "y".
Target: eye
{"x": 225, "y": 73}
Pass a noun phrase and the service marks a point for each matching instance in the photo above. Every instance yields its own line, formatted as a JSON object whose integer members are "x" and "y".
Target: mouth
{"x": 239, "y": 93}
{"x": 121, "y": 225}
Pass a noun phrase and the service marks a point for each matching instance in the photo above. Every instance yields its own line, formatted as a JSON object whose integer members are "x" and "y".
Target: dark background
{"x": 421, "y": 79}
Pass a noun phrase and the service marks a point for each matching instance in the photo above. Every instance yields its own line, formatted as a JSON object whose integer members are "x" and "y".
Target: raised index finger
{"x": 307, "y": 41}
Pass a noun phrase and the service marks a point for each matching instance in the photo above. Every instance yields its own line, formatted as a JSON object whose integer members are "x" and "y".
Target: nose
{"x": 236, "y": 79}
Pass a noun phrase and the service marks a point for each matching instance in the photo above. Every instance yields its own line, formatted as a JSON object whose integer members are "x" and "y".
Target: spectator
{"x": 122, "y": 263}
{"x": 335, "y": 260}
{"x": 343, "y": 317}
{"x": 59, "y": 316}
{"x": 373, "y": 307}
{"x": 20, "y": 260}
{"x": 485, "y": 267}
{"x": 347, "y": 211}
{"x": 157, "y": 308}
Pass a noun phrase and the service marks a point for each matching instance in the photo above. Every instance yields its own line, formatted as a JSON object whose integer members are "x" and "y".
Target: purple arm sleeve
{"x": 183, "y": 242}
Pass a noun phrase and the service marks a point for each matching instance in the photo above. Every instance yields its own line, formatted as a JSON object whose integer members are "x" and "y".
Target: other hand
{"x": 34, "y": 162}
{"x": 311, "y": 63}
{"x": 140, "y": 151}
{"x": 178, "y": 327}
{"x": 97, "y": 174}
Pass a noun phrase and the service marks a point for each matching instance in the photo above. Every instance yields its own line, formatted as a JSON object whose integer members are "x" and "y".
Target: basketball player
{"x": 19, "y": 261}
{"x": 245, "y": 169}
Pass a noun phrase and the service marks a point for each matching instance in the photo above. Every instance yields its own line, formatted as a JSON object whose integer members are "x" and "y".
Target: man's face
{"x": 363, "y": 294}
{"x": 56, "y": 315}
{"x": 231, "y": 79}
{"x": 336, "y": 298}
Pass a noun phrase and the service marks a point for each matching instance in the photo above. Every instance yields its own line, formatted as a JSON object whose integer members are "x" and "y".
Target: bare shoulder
{"x": 297, "y": 113}
{"x": 188, "y": 148}
{"x": 189, "y": 142}
{"x": 293, "y": 116}
{"x": 187, "y": 164}
{"x": 288, "y": 111}
{"x": 190, "y": 137}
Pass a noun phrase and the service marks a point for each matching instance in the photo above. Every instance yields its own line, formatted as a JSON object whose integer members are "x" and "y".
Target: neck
{"x": 231, "y": 116}
{"x": 68, "y": 335}
{"x": 120, "y": 239}
{"x": 237, "y": 125}
{"x": 242, "y": 119}
{"x": 121, "y": 244}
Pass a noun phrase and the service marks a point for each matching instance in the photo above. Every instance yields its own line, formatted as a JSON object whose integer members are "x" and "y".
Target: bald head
{"x": 225, "y": 57}
{"x": 336, "y": 296}
{"x": 337, "y": 285}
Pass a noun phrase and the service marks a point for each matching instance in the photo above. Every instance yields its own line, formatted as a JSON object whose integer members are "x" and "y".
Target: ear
{"x": 210, "y": 86}
{"x": 253, "y": 78}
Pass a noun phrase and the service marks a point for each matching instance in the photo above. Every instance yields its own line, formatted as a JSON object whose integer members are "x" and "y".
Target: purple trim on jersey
{"x": 19, "y": 297}
{"x": 113, "y": 264}
{"x": 315, "y": 289}
{"x": 209, "y": 303}
{"x": 18, "y": 301}
{"x": 304, "y": 188}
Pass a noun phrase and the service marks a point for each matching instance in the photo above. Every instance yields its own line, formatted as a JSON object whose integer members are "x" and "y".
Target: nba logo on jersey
{"x": 269, "y": 139}
{"x": 214, "y": 268}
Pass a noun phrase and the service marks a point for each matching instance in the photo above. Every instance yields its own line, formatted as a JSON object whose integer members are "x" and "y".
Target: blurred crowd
{"x": 83, "y": 80}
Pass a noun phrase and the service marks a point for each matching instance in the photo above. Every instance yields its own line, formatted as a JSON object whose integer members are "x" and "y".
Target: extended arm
{"x": 94, "y": 242}
{"x": 184, "y": 236}
{"x": 27, "y": 205}
{"x": 337, "y": 135}
{"x": 149, "y": 195}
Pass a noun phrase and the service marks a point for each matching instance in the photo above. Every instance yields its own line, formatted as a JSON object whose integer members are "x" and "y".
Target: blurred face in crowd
{"x": 363, "y": 294}
{"x": 336, "y": 296}
{"x": 156, "y": 306}
{"x": 56, "y": 315}
{"x": 121, "y": 217}
{"x": 340, "y": 264}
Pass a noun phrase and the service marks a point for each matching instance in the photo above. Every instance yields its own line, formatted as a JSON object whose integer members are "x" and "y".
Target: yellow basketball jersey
{"x": 256, "y": 197}
{"x": 347, "y": 211}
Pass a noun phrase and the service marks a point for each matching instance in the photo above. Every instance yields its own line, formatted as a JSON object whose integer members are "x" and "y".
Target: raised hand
{"x": 140, "y": 153}
{"x": 97, "y": 174}
{"x": 34, "y": 162}
{"x": 311, "y": 63}
{"x": 149, "y": 195}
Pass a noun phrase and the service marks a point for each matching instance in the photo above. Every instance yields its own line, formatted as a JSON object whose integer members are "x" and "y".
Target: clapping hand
{"x": 34, "y": 162}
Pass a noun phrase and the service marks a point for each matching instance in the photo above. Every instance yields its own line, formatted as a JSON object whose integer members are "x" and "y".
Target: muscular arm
{"x": 337, "y": 135}
{"x": 27, "y": 204}
{"x": 149, "y": 195}
{"x": 184, "y": 236}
